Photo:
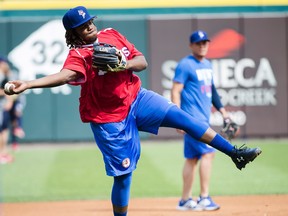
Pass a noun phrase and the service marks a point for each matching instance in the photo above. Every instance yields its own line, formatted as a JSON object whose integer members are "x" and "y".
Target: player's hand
{"x": 230, "y": 129}
{"x": 17, "y": 87}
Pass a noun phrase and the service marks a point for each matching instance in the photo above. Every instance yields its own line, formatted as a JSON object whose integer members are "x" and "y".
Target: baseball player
{"x": 6, "y": 103}
{"x": 117, "y": 107}
{"x": 194, "y": 91}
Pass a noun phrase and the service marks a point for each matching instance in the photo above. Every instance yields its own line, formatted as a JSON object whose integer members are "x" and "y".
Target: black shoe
{"x": 244, "y": 155}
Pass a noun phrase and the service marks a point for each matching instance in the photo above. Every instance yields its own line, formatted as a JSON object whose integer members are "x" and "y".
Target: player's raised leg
{"x": 177, "y": 118}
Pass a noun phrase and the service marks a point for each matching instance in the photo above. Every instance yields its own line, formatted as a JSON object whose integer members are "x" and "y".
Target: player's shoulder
{"x": 184, "y": 64}
{"x": 188, "y": 61}
{"x": 185, "y": 59}
{"x": 110, "y": 34}
{"x": 83, "y": 51}
{"x": 108, "y": 31}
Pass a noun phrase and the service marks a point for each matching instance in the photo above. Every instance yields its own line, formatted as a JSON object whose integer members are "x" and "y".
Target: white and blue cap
{"x": 198, "y": 36}
{"x": 76, "y": 17}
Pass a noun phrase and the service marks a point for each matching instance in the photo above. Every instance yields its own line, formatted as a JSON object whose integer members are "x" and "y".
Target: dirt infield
{"x": 272, "y": 205}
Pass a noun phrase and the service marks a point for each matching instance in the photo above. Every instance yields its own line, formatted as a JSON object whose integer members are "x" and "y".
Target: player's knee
{"x": 208, "y": 156}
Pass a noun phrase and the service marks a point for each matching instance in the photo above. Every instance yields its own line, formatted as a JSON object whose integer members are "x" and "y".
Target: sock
{"x": 222, "y": 145}
{"x": 121, "y": 192}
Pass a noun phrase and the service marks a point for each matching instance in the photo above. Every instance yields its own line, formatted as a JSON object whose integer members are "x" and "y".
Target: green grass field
{"x": 75, "y": 172}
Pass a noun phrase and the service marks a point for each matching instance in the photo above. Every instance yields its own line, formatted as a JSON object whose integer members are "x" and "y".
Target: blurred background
{"x": 248, "y": 51}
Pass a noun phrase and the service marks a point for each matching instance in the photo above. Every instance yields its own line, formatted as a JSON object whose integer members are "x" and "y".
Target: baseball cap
{"x": 198, "y": 36}
{"x": 76, "y": 17}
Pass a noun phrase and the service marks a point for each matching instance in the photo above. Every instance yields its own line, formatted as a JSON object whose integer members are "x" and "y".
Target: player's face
{"x": 200, "y": 49}
{"x": 4, "y": 68}
{"x": 87, "y": 31}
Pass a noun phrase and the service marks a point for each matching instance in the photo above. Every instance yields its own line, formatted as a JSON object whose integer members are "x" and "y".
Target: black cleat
{"x": 243, "y": 155}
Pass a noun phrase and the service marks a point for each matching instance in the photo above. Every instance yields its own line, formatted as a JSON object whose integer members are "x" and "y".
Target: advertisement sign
{"x": 249, "y": 58}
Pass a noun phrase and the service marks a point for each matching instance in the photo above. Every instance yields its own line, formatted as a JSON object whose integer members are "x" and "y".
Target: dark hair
{"x": 72, "y": 39}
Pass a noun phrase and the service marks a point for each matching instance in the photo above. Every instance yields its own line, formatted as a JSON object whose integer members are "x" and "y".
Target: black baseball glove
{"x": 107, "y": 57}
{"x": 230, "y": 129}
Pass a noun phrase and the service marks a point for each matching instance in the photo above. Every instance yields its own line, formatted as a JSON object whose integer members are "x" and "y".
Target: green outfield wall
{"x": 248, "y": 52}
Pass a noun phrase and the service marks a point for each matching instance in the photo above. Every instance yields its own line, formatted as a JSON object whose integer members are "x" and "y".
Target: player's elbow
{"x": 137, "y": 64}
{"x": 144, "y": 65}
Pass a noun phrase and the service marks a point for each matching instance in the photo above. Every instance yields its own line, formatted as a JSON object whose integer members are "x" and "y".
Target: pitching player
{"x": 117, "y": 107}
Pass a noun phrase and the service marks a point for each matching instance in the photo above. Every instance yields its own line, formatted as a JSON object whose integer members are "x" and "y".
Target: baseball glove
{"x": 107, "y": 57}
{"x": 230, "y": 129}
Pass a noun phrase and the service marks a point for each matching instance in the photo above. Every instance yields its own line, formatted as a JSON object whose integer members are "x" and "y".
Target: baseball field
{"x": 69, "y": 179}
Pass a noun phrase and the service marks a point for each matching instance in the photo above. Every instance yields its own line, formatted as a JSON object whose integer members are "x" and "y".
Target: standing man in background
{"x": 6, "y": 103}
{"x": 13, "y": 109}
{"x": 194, "y": 91}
